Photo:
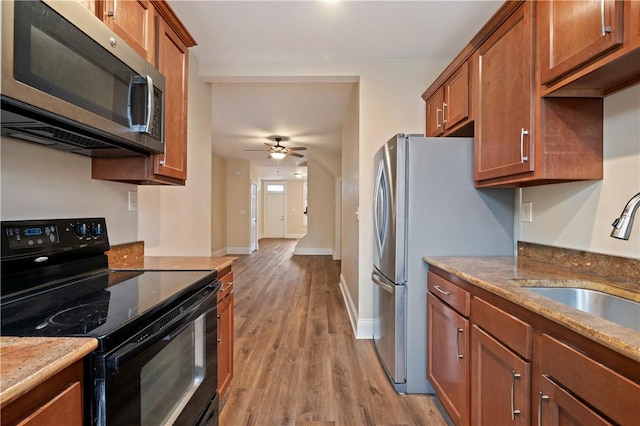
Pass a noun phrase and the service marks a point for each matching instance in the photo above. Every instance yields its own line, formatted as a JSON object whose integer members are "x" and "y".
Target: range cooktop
{"x": 99, "y": 305}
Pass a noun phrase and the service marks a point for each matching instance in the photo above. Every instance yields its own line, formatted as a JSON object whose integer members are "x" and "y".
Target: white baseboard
{"x": 218, "y": 253}
{"x": 336, "y": 256}
{"x": 295, "y": 236}
{"x": 310, "y": 251}
{"x": 365, "y": 328}
{"x": 362, "y": 328}
{"x": 238, "y": 250}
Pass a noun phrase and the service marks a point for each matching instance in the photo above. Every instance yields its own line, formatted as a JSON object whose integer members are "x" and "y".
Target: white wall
{"x": 578, "y": 215}
{"x": 238, "y": 206}
{"x": 320, "y": 214}
{"x": 42, "y": 183}
{"x": 350, "y": 201}
{"x": 218, "y": 206}
{"x": 176, "y": 221}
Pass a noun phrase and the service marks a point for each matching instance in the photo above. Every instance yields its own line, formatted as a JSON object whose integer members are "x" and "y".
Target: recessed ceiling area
{"x": 310, "y": 113}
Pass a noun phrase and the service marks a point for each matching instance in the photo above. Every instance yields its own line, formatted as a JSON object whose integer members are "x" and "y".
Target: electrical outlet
{"x": 526, "y": 212}
{"x": 133, "y": 201}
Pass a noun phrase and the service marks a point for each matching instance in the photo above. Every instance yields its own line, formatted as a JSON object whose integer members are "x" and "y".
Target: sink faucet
{"x": 622, "y": 225}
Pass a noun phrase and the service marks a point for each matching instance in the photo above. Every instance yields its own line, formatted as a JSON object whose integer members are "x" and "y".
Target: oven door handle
{"x": 130, "y": 350}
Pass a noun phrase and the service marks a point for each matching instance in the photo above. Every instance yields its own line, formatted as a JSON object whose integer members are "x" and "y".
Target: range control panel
{"x": 35, "y": 236}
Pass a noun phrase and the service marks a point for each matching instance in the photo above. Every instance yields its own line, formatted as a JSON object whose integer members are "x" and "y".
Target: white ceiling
{"x": 310, "y": 114}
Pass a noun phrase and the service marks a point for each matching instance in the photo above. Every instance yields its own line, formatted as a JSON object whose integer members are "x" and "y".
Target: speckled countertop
{"x": 26, "y": 362}
{"x": 509, "y": 276}
{"x": 179, "y": 263}
{"x": 131, "y": 256}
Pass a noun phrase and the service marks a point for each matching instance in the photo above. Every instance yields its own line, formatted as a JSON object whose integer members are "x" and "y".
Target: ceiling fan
{"x": 278, "y": 152}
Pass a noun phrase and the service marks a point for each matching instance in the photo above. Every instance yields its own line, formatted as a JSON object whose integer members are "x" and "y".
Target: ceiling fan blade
{"x": 297, "y": 148}
{"x": 294, "y": 154}
{"x": 269, "y": 144}
{"x": 262, "y": 150}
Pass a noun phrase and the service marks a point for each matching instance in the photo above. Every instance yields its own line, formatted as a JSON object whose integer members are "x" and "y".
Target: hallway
{"x": 295, "y": 357}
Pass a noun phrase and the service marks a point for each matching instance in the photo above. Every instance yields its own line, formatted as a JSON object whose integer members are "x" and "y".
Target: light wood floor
{"x": 296, "y": 359}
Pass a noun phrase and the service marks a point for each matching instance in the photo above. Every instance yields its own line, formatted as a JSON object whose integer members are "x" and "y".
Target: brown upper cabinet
{"x": 503, "y": 129}
{"x": 522, "y": 138}
{"x": 448, "y": 108}
{"x": 574, "y": 32}
{"x": 587, "y": 48}
{"x": 169, "y": 53}
{"x": 132, "y": 20}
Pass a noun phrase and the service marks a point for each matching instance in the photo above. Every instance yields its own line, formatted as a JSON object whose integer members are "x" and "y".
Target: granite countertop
{"x": 131, "y": 256}
{"x": 509, "y": 276}
{"x": 30, "y": 361}
{"x": 177, "y": 263}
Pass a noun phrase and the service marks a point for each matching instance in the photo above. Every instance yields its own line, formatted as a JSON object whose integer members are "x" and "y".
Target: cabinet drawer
{"x": 227, "y": 286}
{"x": 511, "y": 331}
{"x": 607, "y": 391}
{"x": 456, "y": 297}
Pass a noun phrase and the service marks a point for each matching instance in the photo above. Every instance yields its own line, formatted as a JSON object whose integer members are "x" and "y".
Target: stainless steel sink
{"x": 613, "y": 308}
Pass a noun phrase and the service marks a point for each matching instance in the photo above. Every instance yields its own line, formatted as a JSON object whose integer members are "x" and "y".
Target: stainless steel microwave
{"x": 71, "y": 83}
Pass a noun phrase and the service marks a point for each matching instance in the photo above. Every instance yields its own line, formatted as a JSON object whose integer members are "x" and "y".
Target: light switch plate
{"x": 133, "y": 201}
{"x": 526, "y": 212}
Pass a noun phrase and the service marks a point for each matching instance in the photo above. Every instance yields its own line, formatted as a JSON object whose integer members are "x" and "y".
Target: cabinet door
{"x": 173, "y": 63}
{"x": 558, "y": 407}
{"x": 574, "y": 32}
{"x": 435, "y": 125}
{"x": 225, "y": 343}
{"x": 455, "y": 108}
{"x": 504, "y": 117}
{"x": 65, "y": 408}
{"x": 133, "y": 21}
{"x": 500, "y": 383}
{"x": 448, "y": 358}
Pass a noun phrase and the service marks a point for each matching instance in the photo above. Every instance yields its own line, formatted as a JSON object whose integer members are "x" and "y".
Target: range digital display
{"x": 33, "y": 231}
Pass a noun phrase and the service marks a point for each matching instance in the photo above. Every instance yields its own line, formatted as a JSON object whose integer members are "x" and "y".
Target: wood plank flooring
{"x": 296, "y": 359}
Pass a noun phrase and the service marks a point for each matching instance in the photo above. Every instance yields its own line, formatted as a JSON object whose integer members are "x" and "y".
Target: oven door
{"x": 170, "y": 379}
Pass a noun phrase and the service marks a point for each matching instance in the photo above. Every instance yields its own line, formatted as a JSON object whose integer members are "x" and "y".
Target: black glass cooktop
{"x": 99, "y": 306}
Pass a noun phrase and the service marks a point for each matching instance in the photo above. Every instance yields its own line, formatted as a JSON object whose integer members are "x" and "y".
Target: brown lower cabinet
{"x": 448, "y": 358}
{"x": 56, "y": 401}
{"x": 225, "y": 334}
{"x": 521, "y": 368}
{"x": 500, "y": 382}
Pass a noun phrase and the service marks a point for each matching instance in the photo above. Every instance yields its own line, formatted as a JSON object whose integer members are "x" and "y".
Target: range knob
{"x": 80, "y": 230}
{"x": 95, "y": 230}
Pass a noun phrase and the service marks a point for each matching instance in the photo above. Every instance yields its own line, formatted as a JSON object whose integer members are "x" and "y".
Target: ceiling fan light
{"x": 278, "y": 155}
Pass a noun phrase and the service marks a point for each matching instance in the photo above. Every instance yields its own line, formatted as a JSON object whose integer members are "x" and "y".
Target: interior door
{"x": 275, "y": 215}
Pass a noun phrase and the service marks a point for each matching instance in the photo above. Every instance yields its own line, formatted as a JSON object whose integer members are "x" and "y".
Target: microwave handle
{"x": 150, "y": 104}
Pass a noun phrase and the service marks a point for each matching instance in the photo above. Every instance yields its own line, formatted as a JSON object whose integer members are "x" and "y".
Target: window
{"x": 273, "y": 187}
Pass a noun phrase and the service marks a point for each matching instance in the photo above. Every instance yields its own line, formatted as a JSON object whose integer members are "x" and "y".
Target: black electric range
{"x": 56, "y": 283}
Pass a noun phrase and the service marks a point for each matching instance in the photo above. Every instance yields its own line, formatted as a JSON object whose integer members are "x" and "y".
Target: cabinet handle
{"x": 444, "y": 120}
{"x": 523, "y": 132}
{"x": 514, "y": 376}
{"x": 219, "y": 329}
{"x": 460, "y": 331}
{"x": 541, "y": 397}
{"x": 112, "y": 13}
{"x": 446, "y": 293}
{"x": 604, "y": 28}
{"x": 438, "y": 111}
